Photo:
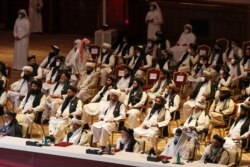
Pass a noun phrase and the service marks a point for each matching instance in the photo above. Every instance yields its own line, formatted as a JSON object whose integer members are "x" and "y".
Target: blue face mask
{"x": 176, "y": 139}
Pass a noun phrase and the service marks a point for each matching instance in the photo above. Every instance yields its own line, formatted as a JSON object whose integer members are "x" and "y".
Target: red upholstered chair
{"x": 245, "y": 45}
{"x": 180, "y": 79}
{"x": 152, "y": 76}
{"x": 224, "y": 42}
{"x": 119, "y": 71}
{"x": 204, "y": 50}
{"x": 94, "y": 51}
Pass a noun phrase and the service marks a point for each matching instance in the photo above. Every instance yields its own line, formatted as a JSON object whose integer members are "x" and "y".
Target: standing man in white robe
{"x": 21, "y": 34}
{"x": 35, "y": 15}
{"x": 154, "y": 20}
{"x": 186, "y": 38}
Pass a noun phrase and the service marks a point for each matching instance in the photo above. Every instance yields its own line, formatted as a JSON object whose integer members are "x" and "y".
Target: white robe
{"x": 35, "y": 16}
{"x": 155, "y": 18}
{"x": 21, "y": 47}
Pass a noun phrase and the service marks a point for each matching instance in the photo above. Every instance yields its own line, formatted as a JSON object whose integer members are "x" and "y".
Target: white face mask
{"x": 203, "y": 79}
{"x": 58, "y": 64}
{"x": 186, "y": 31}
{"x": 232, "y": 61}
{"x": 189, "y": 50}
{"x": 150, "y": 45}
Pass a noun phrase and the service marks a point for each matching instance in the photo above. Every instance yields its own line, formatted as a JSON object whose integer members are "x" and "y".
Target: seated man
{"x": 11, "y": 126}
{"x": 202, "y": 91}
{"x": 184, "y": 62}
{"x": 221, "y": 108}
{"x": 134, "y": 101}
{"x": 236, "y": 71}
{"x": 33, "y": 102}
{"x": 172, "y": 101}
{"x": 171, "y": 146}
{"x": 156, "y": 118}
{"x": 240, "y": 129}
{"x": 106, "y": 62}
{"x": 167, "y": 62}
{"x": 88, "y": 82}
{"x": 20, "y": 88}
{"x": 71, "y": 107}
{"x": 111, "y": 115}
{"x": 50, "y": 60}
{"x": 127, "y": 80}
{"x": 232, "y": 51}
{"x": 198, "y": 120}
{"x": 99, "y": 101}
{"x": 160, "y": 85}
{"x": 215, "y": 153}
{"x": 55, "y": 97}
{"x": 127, "y": 141}
{"x": 77, "y": 135}
{"x": 3, "y": 97}
{"x": 3, "y": 73}
{"x": 37, "y": 70}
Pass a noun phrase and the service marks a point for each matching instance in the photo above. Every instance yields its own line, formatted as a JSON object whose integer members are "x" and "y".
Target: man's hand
{"x": 30, "y": 111}
{"x": 18, "y": 110}
{"x": 155, "y": 125}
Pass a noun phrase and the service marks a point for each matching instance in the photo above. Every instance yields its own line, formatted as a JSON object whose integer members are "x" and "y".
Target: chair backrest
{"x": 180, "y": 79}
{"x": 152, "y": 76}
{"x": 119, "y": 71}
{"x": 204, "y": 50}
{"x": 244, "y": 46}
{"x": 94, "y": 51}
{"x": 224, "y": 42}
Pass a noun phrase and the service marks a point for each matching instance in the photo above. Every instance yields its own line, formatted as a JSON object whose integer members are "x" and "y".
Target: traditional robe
{"x": 35, "y": 15}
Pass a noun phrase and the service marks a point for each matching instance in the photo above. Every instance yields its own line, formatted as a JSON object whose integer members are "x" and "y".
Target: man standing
{"x": 35, "y": 15}
{"x": 21, "y": 34}
{"x": 154, "y": 20}
{"x": 111, "y": 115}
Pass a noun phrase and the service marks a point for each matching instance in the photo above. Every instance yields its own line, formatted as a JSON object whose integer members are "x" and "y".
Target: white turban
{"x": 115, "y": 92}
{"x": 90, "y": 64}
{"x": 77, "y": 121}
{"x": 28, "y": 68}
{"x": 106, "y": 45}
{"x": 188, "y": 25}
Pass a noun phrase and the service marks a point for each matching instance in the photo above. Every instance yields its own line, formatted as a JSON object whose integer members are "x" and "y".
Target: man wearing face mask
{"x": 54, "y": 74}
{"x": 222, "y": 108}
{"x": 71, "y": 57}
{"x": 184, "y": 62}
{"x": 171, "y": 146}
{"x": 153, "y": 51}
{"x": 186, "y": 38}
{"x": 37, "y": 70}
{"x": 232, "y": 51}
{"x": 21, "y": 34}
{"x": 106, "y": 62}
{"x": 216, "y": 57}
{"x": 11, "y": 126}
{"x": 127, "y": 141}
{"x": 237, "y": 72}
{"x": 154, "y": 20}
{"x": 55, "y": 96}
{"x": 20, "y": 88}
{"x": 134, "y": 101}
{"x": 34, "y": 101}
{"x": 50, "y": 60}
{"x": 124, "y": 51}
{"x": 140, "y": 62}
{"x": 203, "y": 91}
{"x": 88, "y": 83}
{"x": 156, "y": 118}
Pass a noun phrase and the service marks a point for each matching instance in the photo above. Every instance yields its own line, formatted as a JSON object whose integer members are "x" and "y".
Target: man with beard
{"x": 221, "y": 108}
{"x": 11, "y": 126}
{"x": 215, "y": 153}
{"x": 153, "y": 50}
{"x": 156, "y": 118}
{"x": 202, "y": 92}
{"x": 161, "y": 41}
{"x": 160, "y": 85}
{"x": 3, "y": 98}
{"x": 50, "y": 60}
{"x": 245, "y": 62}
{"x": 55, "y": 96}
{"x": 106, "y": 62}
{"x": 99, "y": 101}
{"x": 140, "y": 62}
{"x": 20, "y": 88}
{"x": 111, "y": 115}
{"x": 33, "y": 102}
{"x": 216, "y": 57}
{"x": 127, "y": 141}
{"x": 88, "y": 83}
{"x": 237, "y": 72}
{"x": 71, "y": 107}
{"x": 167, "y": 62}
{"x": 233, "y": 51}
{"x": 240, "y": 129}
{"x": 127, "y": 80}
{"x": 37, "y": 70}
{"x": 134, "y": 101}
